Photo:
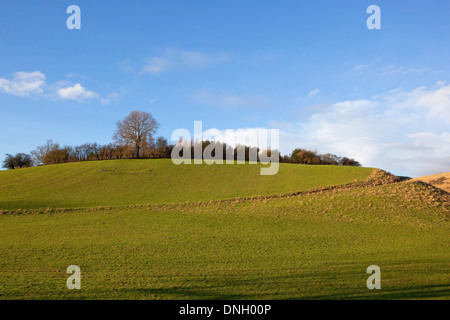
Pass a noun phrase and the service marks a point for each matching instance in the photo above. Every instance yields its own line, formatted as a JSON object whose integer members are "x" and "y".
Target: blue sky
{"x": 309, "y": 68}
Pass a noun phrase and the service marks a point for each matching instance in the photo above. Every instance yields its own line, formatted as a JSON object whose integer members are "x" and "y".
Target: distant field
{"x": 314, "y": 246}
{"x": 131, "y": 182}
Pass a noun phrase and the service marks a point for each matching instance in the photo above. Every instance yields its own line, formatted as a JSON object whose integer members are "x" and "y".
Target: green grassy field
{"x": 309, "y": 246}
{"x": 131, "y": 182}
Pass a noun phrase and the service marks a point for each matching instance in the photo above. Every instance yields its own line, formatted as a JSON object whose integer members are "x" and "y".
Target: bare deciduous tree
{"x": 136, "y": 131}
{"x": 41, "y": 152}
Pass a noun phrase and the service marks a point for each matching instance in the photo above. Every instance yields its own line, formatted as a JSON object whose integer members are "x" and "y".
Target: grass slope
{"x": 131, "y": 182}
{"x": 308, "y": 246}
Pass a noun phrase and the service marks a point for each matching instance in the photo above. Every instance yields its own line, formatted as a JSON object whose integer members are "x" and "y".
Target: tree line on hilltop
{"x": 134, "y": 138}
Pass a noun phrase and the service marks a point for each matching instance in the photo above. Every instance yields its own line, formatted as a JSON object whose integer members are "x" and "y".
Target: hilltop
{"x": 441, "y": 180}
{"x": 157, "y": 181}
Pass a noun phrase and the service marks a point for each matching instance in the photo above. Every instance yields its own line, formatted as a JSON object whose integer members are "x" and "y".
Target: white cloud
{"x": 406, "y": 132}
{"x": 313, "y": 93}
{"x": 33, "y": 84}
{"x": 437, "y": 102}
{"x": 76, "y": 92}
{"x": 24, "y": 83}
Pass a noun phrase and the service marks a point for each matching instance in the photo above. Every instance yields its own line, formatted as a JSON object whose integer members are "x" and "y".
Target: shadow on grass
{"x": 420, "y": 292}
{"x": 225, "y": 292}
{"x": 199, "y": 293}
{"x": 33, "y": 205}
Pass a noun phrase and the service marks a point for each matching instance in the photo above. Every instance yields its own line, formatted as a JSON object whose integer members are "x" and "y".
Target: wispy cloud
{"x": 174, "y": 59}
{"x": 225, "y": 100}
{"x": 393, "y": 70}
{"x": 361, "y": 67}
{"x": 76, "y": 75}
{"x": 110, "y": 98}
{"x": 390, "y": 70}
{"x": 313, "y": 93}
{"x": 157, "y": 65}
{"x": 126, "y": 66}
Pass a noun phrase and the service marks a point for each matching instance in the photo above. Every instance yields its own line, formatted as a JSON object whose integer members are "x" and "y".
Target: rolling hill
{"x": 131, "y": 182}
{"x": 308, "y": 233}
